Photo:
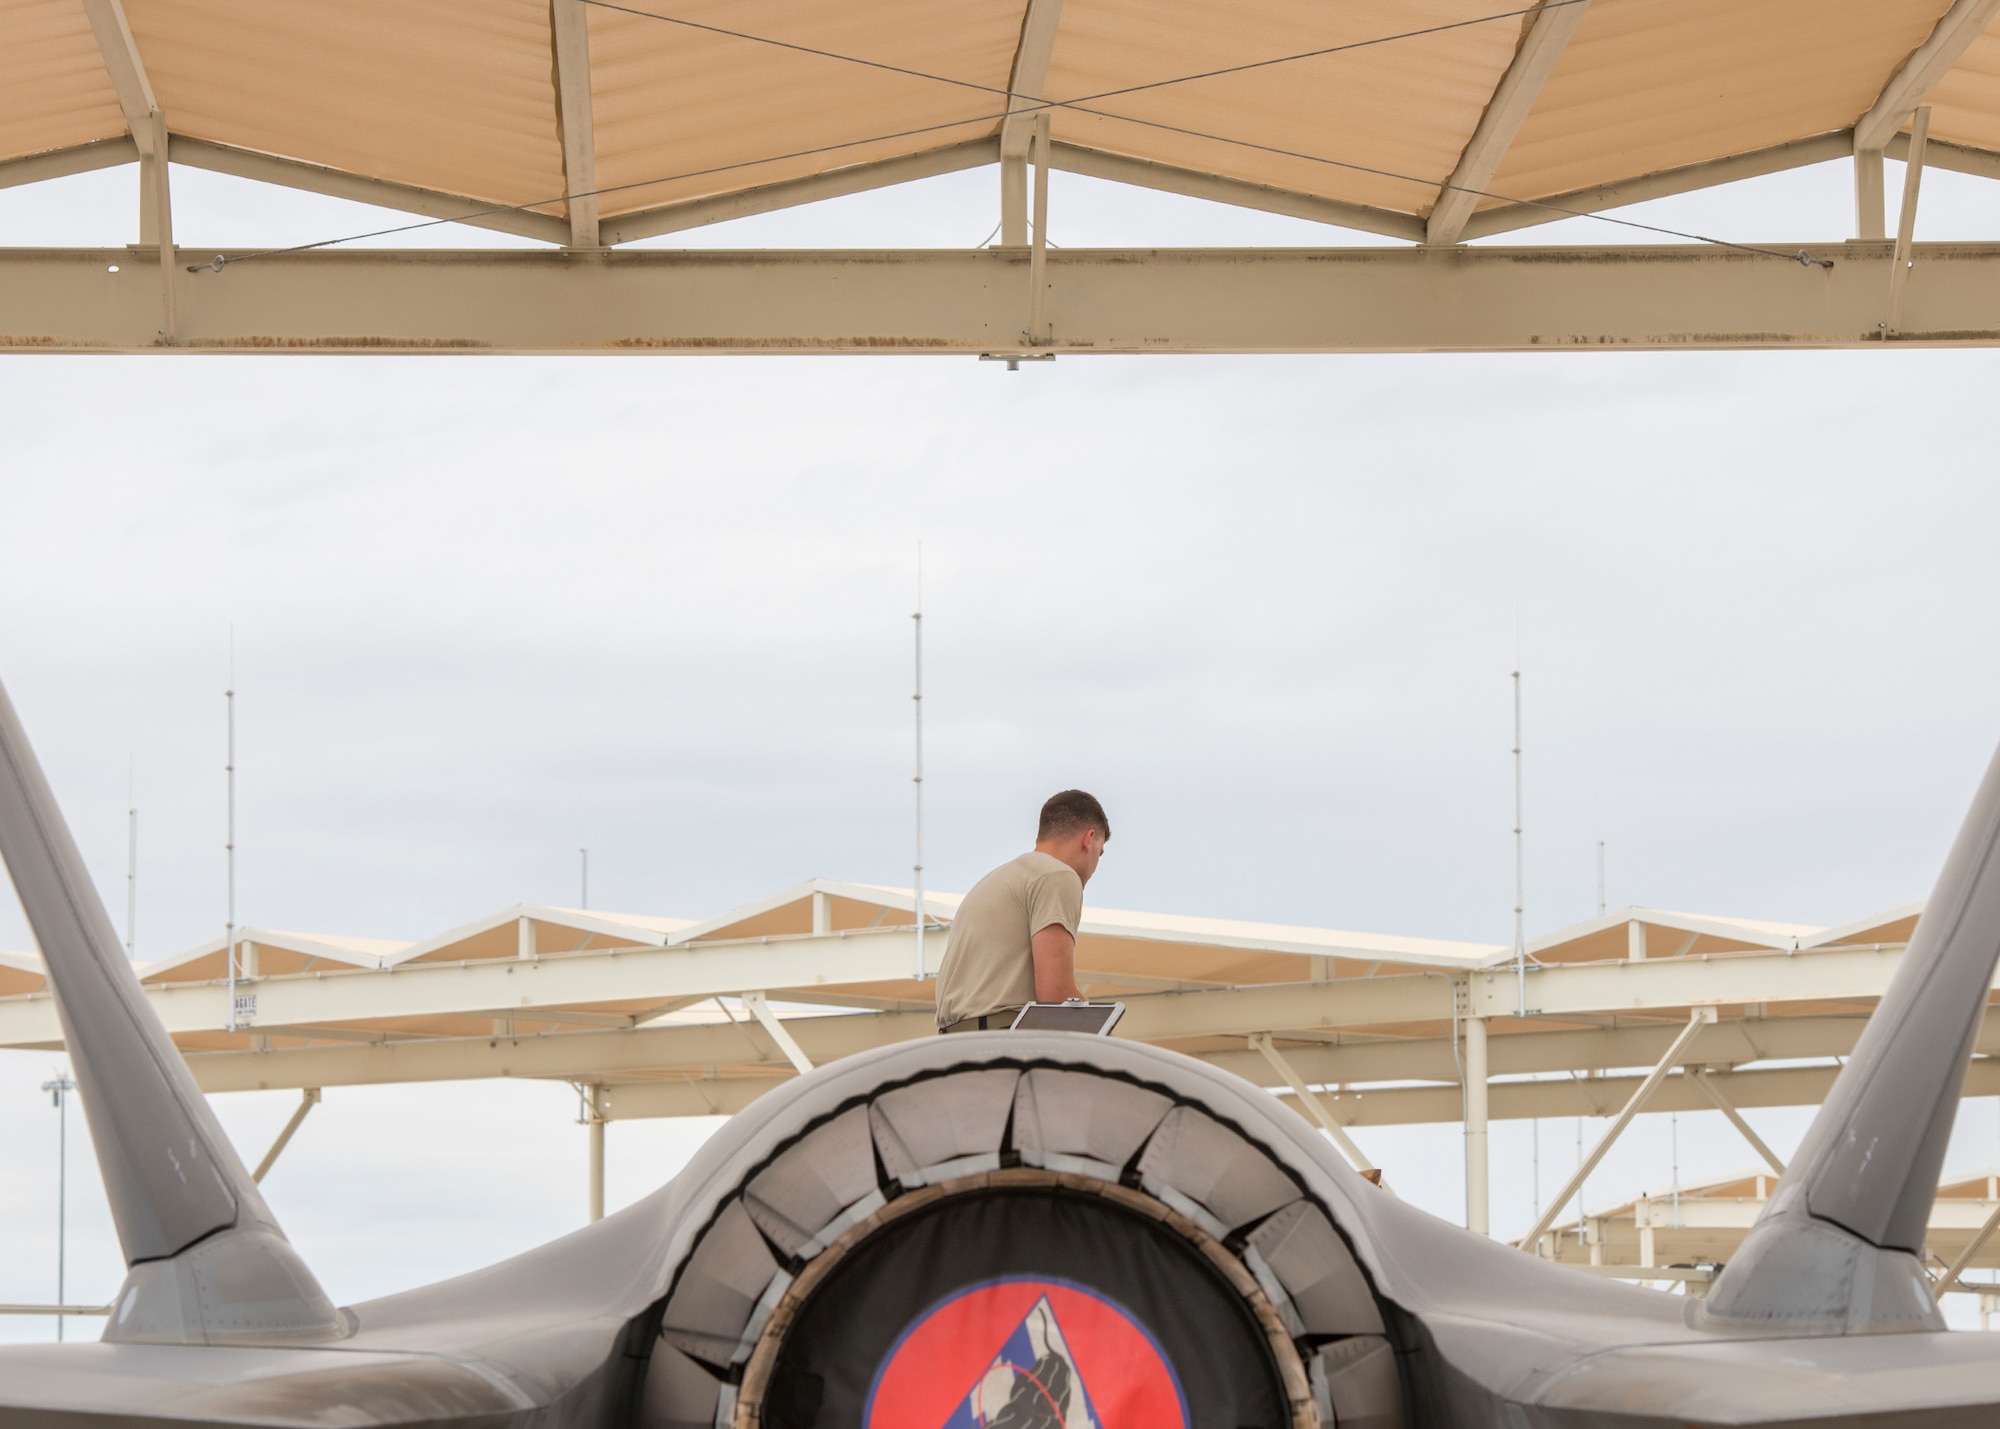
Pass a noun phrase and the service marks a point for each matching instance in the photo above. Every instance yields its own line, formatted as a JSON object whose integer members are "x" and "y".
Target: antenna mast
{"x": 918, "y": 698}
{"x": 131, "y": 865}
{"x": 59, "y": 1087}
{"x": 1520, "y": 896}
{"x": 229, "y": 847}
{"x": 583, "y": 897}
{"x": 1600, "y": 878}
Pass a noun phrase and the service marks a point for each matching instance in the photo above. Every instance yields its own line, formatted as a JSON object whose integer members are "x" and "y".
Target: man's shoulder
{"x": 1032, "y": 868}
{"x": 1020, "y": 873}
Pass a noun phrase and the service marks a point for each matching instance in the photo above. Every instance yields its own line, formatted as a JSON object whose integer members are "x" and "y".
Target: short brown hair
{"x": 1070, "y": 811}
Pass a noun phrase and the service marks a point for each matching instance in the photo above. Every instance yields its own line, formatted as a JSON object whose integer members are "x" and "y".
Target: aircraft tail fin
{"x": 1836, "y": 1250}
{"x": 208, "y": 1263}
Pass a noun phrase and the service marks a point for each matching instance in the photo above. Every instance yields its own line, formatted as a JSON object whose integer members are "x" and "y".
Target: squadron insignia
{"x": 1026, "y": 1353}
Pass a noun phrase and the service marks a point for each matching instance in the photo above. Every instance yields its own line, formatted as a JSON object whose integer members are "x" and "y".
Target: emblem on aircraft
{"x": 1026, "y": 1352}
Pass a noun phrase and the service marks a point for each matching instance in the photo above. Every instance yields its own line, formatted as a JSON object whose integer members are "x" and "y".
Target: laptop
{"x": 1093, "y": 1017}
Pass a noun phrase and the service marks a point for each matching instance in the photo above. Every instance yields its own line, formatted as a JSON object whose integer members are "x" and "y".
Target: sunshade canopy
{"x": 1375, "y": 104}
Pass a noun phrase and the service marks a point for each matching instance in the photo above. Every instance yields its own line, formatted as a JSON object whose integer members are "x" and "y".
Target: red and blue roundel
{"x": 1026, "y": 1352}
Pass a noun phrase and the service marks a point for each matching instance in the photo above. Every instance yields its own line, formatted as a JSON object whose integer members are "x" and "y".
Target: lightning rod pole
{"x": 131, "y": 880}
{"x": 918, "y": 698}
{"x": 59, "y": 1087}
{"x": 1520, "y": 896}
{"x": 229, "y": 847}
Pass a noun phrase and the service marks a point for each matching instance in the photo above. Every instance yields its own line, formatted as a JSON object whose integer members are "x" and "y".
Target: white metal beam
{"x": 1929, "y": 63}
{"x": 969, "y": 301}
{"x": 513, "y": 985}
{"x": 1857, "y": 974}
{"x": 332, "y": 1034}
{"x": 1663, "y": 183}
{"x": 1602, "y": 1096}
{"x": 61, "y": 163}
{"x": 569, "y": 28}
{"x": 1700, "y": 1018}
{"x": 1192, "y": 183}
{"x": 683, "y": 1096}
{"x": 1245, "y": 1011}
{"x": 1124, "y": 982}
{"x": 1547, "y": 35}
{"x": 337, "y": 183}
{"x": 1959, "y": 158}
{"x": 1362, "y": 1059}
{"x": 565, "y": 988}
{"x": 333, "y": 1003}
{"x": 790, "y": 193}
{"x": 1024, "y": 86}
{"x": 693, "y": 1095}
{"x": 597, "y": 1056}
{"x": 567, "y": 1056}
{"x": 587, "y": 1056}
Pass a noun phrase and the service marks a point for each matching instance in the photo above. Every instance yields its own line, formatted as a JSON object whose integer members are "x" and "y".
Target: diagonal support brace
{"x": 1906, "y": 220}
{"x": 1722, "y": 1104}
{"x": 761, "y": 1010}
{"x": 1312, "y": 1104}
{"x": 1700, "y": 1018}
{"x": 1972, "y": 1246}
{"x": 308, "y": 1099}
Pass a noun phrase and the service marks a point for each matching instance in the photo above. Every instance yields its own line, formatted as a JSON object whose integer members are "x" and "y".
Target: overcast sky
{"x": 488, "y": 611}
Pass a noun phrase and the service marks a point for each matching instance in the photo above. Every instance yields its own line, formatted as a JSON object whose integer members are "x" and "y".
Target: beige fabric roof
{"x": 20, "y": 973}
{"x": 271, "y": 952}
{"x": 460, "y": 97}
{"x": 1119, "y": 953}
{"x": 1655, "y": 84}
{"x": 554, "y": 930}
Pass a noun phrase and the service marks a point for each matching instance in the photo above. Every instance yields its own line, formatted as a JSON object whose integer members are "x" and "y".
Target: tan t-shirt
{"x": 988, "y": 962}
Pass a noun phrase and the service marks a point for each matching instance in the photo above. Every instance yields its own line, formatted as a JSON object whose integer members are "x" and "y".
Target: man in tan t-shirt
{"x": 1013, "y": 939}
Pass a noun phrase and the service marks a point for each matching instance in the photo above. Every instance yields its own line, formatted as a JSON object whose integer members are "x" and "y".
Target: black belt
{"x": 987, "y": 1021}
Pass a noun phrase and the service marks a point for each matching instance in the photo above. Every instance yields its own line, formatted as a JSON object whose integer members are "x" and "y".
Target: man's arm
{"x": 1054, "y": 951}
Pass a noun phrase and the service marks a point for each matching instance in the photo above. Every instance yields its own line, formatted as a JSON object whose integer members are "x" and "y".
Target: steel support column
{"x": 1476, "y": 1184}
{"x": 595, "y": 1119}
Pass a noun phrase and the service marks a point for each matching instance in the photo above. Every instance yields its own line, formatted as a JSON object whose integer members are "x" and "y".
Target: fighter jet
{"x": 1004, "y": 1230}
